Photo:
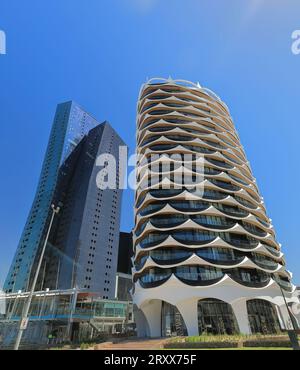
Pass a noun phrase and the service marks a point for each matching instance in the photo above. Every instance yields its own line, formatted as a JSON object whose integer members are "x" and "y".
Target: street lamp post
{"x": 24, "y": 320}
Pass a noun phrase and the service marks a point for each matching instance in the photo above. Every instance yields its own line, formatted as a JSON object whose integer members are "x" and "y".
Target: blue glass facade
{"x": 70, "y": 125}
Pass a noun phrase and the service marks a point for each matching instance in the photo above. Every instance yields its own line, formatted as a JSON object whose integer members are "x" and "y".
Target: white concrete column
{"x": 152, "y": 312}
{"x": 241, "y": 314}
{"x": 189, "y": 313}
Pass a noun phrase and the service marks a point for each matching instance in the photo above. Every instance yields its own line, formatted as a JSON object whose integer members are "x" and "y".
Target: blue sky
{"x": 99, "y": 52}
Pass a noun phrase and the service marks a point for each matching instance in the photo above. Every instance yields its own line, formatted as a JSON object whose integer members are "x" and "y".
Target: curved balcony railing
{"x": 190, "y": 275}
{"x": 214, "y": 144}
{"x": 232, "y": 159}
{"x": 196, "y": 132}
{"x": 178, "y": 161}
{"x": 166, "y": 112}
{"x": 140, "y": 261}
{"x": 272, "y": 250}
{"x": 161, "y": 129}
{"x": 194, "y": 206}
{"x": 140, "y": 200}
{"x": 170, "y": 104}
{"x": 148, "y": 106}
{"x": 244, "y": 202}
{"x": 196, "y": 275}
{"x": 264, "y": 261}
{"x": 252, "y": 278}
{"x": 161, "y": 112}
{"x": 240, "y": 240}
{"x": 173, "y": 137}
{"x": 197, "y": 237}
{"x": 170, "y": 255}
{"x": 211, "y": 171}
{"x": 192, "y": 148}
{"x": 284, "y": 284}
{"x": 140, "y": 229}
{"x": 192, "y": 115}
{"x": 149, "y": 140}
{"x": 189, "y": 205}
{"x": 214, "y": 194}
{"x": 149, "y": 122}
{"x": 155, "y": 277}
{"x": 221, "y": 256}
{"x": 213, "y": 222}
{"x": 224, "y": 185}
{"x": 151, "y": 208}
{"x": 233, "y": 211}
{"x": 219, "y": 163}
{"x": 167, "y": 221}
{"x": 174, "y": 255}
{"x": 192, "y": 236}
{"x": 174, "y": 220}
{"x": 169, "y": 193}
{"x": 153, "y": 239}
{"x": 238, "y": 179}
{"x": 159, "y": 97}
{"x": 177, "y": 121}
{"x": 264, "y": 223}
{"x": 179, "y": 205}
{"x": 253, "y": 229}
{"x": 165, "y": 193}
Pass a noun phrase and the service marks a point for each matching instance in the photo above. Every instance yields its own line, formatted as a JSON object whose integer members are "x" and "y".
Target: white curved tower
{"x": 206, "y": 257}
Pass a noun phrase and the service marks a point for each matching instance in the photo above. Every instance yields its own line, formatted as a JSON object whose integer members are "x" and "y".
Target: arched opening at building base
{"x": 173, "y": 324}
{"x": 263, "y": 317}
{"x": 216, "y": 317}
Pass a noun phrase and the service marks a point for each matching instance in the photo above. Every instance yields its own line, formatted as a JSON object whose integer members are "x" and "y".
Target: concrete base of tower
{"x": 175, "y": 309}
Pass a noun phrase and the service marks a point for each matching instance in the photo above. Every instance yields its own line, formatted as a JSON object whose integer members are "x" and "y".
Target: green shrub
{"x": 85, "y": 346}
{"x": 268, "y": 343}
{"x": 230, "y": 341}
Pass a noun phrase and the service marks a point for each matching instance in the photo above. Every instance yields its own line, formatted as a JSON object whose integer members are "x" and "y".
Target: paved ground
{"x": 135, "y": 344}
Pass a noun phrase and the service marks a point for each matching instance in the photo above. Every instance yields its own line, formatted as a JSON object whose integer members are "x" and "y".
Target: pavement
{"x": 133, "y": 344}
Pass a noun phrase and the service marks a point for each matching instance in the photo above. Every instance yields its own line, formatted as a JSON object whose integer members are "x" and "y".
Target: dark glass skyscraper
{"x": 69, "y": 176}
{"x": 70, "y": 125}
{"x": 83, "y": 245}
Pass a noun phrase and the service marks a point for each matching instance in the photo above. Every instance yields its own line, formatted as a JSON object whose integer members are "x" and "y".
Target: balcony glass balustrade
{"x": 196, "y": 275}
{"x": 219, "y": 163}
{"x": 197, "y": 237}
{"x": 224, "y": 185}
{"x": 264, "y": 261}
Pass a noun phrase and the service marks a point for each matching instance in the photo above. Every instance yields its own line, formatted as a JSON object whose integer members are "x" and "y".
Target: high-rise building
{"x": 83, "y": 245}
{"x": 206, "y": 255}
{"x": 124, "y": 276}
{"x": 71, "y": 124}
{"x": 125, "y": 253}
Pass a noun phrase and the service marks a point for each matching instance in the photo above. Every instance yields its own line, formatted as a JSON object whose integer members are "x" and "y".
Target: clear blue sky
{"x": 99, "y": 52}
